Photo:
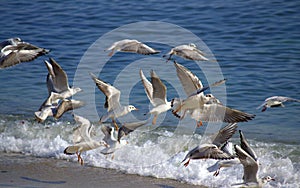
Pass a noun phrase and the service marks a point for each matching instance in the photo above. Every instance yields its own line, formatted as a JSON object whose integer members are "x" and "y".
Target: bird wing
{"x": 83, "y": 131}
{"x": 159, "y": 90}
{"x": 191, "y": 54}
{"x": 22, "y": 52}
{"x": 112, "y": 100}
{"x": 246, "y": 146}
{"x": 189, "y": 81}
{"x": 250, "y": 164}
{"x": 129, "y": 127}
{"x": 67, "y": 105}
{"x": 147, "y": 86}
{"x": 138, "y": 47}
{"x": 224, "y": 134}
{"x": 218, "y": 113}
{"x": 60, "y": 78}
{"x": 208, "y": 151}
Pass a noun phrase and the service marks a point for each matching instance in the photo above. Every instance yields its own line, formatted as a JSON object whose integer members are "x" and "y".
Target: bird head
{"x": 131, "y": 108}
{"x": 267, "y": 179}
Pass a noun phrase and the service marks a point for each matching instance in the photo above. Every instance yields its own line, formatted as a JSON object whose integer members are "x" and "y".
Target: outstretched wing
{"x": 112, "y": 100}
{"x": 189, "y": 81}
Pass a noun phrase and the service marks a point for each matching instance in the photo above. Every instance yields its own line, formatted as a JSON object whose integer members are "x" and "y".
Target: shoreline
{"x": 18, "y": 170}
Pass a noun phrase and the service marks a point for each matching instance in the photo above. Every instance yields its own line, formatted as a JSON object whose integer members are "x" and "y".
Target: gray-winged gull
{"x": 248, "y": 159}
{"x": 82, "y": 139}
{"x": 211, "y": 149}
{"x": 204, "y": 107}
{"x": 15, "y": 51}
{"x": 157, "y": 94}
{"x": 276, "y": 101}
{"x": 112, "y": 103}
{"x": 189, "y": 51}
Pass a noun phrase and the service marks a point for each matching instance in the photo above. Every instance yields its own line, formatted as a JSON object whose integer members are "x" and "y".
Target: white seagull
{"x": 15, "y": 51}
{"x": 157, "y": 94}
{"x": 57, "y": 81}
{"x": 114, "y": 138}
{"x": 211, "y": 149}
{"x": 82, "y": 139}
{"x": 248, "y": 159}
{"x": 204, "y": 107}
{"x": 276, "y": 101}
{"x": 133, "y": 46}
{"x": 189, "y": 51}
{"x": 112, "y": 103}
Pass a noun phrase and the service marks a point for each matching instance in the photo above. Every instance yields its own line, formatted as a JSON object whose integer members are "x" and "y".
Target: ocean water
{"x": 256, "y": 45}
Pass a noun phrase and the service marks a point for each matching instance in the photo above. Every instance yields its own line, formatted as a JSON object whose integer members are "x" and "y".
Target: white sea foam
{"x": 158, "y": 153}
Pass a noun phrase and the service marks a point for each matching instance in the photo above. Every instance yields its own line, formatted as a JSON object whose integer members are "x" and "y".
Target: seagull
{"x": 82, "y": 139}
{"x": 248, "y": 159}
{"x": 204, "y": 107}
{"x": 133, "y": 46}
{"x": 114, "y": 138}
{"x": 187, "y": 51}
{"x": 111, "y": 138}
{"x": 157, "y": 94}
{"x": 227, "y": 148}
{"x": 276, "y": 101}
{"x": 112, "y": 103}
{"x": 211, "y": 149}
{"x": 57, "y": 81}
{"x": 15, "y": 51}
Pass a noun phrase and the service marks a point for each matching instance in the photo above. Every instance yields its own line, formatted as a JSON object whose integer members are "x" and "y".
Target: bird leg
{"x": 80, "y": 160}
{"x": 177, "y": 110}
{"x": 111, "y": 53}
{"x": 115, "y": 124}
{"x": 199, "y": 123}
{"x": 154, "y": 120}
{"x": 187, "y": 163}
{"x": 217, "y": 172}
{"x": 183, "y": 115}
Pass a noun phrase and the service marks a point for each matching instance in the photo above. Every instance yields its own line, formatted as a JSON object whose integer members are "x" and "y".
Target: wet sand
{"x": 17, "y": 170}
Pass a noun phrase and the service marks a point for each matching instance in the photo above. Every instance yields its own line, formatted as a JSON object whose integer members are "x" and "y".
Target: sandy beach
{"x": 17, "y": 170}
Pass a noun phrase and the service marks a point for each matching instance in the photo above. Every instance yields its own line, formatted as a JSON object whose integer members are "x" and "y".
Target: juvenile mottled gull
{"x": 189, "y": 51}
{"x": 211, "y": 149}
{"x": 248, "y": 159}
{"x": 133, "y": 46}
{"x": 276, "y": 101}
{"x": 204, "y": 107}
{"x": 82, "y": 139}
{"x": 157, "y": 94}
{"x": 112, "y": 103}
{"x": 15, "y": 51}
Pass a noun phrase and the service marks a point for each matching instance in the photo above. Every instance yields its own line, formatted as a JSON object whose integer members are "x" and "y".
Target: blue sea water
{"x": 255, "y": 43}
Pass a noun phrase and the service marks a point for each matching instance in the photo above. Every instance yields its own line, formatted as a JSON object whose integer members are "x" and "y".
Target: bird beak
{"x": 273, "y": 179}
{"x": 136, "y": 109}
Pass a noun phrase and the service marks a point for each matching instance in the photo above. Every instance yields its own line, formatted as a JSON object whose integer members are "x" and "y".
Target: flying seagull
{"x": 15, "y": 51}
{"x": 157, "y": 94}
{"x": 204, "y": 107}
{"x": 112, "y": 103}
{"x": 82, "y": 139}
{"x": 133, "y": 46}
{"x": 276, "y": 101}
{"x": 211, "y": 149}
{"x": 189, "y": 51}
{"x": 57, "y": 81}
{"x": 248, "y": 159}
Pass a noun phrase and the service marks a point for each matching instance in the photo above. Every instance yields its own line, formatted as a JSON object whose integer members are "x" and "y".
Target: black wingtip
{"x": 65, "y": 152}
